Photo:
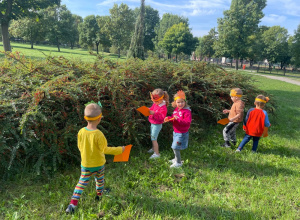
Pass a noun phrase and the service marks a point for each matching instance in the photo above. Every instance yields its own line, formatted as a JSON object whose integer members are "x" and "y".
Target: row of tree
{"x": 237, "y": 36}
{"x": 56, "y": 24}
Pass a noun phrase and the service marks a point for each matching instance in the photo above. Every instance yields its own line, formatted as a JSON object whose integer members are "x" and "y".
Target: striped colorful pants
{"x": 86, "y": 174}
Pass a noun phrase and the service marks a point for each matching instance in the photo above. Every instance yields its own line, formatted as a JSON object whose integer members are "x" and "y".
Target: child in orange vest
{"x": 255, "y": 123}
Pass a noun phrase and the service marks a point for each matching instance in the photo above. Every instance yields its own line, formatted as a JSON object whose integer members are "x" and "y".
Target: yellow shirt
{"x": 93, "y": 147}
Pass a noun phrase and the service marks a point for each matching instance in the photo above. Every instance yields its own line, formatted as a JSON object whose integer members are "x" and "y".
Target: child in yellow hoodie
{"x": 92, "y": 145}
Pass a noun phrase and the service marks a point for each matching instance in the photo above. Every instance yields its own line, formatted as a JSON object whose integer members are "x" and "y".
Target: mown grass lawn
{"x": 214, "y": 183}
{"x": 42, "y": 51}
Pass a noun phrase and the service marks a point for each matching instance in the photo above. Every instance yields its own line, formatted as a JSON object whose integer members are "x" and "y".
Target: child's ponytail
{"x": 166, "y": 98}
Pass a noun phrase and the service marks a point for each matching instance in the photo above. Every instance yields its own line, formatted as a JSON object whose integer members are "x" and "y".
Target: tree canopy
{"x": 239, "y": 22}
{"x": 16, "y": 9}
{"x": 276, "y": 49}
{"x": 178, "y": 39}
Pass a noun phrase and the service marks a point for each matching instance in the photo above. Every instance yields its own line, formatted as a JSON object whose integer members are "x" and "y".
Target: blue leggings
{"x": 246, "y": 139}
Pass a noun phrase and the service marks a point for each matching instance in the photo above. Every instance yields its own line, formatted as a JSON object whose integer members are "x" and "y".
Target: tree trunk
{"x": 97, "y": 47}
{"x": 5, "y": 36}
{"x": 58, "y": 46}
{"x": 236, "y": 63}
{"x": 31, "y": 42}
{"x": 119, "y": 51}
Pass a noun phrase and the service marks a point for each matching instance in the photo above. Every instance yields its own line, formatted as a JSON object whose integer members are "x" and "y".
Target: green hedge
{"x": 42, "y": 103}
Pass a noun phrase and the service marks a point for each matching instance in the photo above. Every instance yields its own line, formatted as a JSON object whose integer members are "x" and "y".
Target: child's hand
{"x": 151, "y": 112}
{"x": 175, "y": 117}
{"x": 226, "y": 111}
{"x": 123, "y": 148}
{"x": 166, "y": 119}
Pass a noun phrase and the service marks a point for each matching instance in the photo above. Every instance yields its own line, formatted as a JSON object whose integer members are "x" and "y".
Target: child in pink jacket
{"x": 181, "y": 119}
{"x": 158, "y": 112}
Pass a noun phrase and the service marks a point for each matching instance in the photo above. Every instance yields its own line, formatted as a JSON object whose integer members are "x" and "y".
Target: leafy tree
{"x": 89, "y": 32}
{"x": 167, "y": 21}
{"x": 295, "y": 48}
{"x": 103, "y": 23}
{"x": 178, "y": 39}
{"x": 275, "y": 41}
{"x": 239, "y": 22}
{"x": 137, "y": 41}
{"x": 16, "y": 9}
{"x": 121, "y": 26}
{"x": 151, "y": 20}
{"x": 199, "y": 49}
{"x": 30, "y": 29}
{"x": 256, "y": 46}
{"x": 208, "y": 42}
{"x": 57, "y": 21}
{"x": 74, "y": 32}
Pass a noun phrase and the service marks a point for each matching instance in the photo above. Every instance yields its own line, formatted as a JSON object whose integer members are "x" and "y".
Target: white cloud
{"x": 287, "y": 7}
{"x": 199, "y": 32}
{"x": 274, "y": 19}
{"x": 111, "y": 2}
{"x": 189, "y": 8}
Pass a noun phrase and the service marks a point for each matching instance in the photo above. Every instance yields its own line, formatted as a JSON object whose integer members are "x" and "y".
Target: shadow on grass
{"x": 177, "y": 209}
{"x": 219, "y": 158}
{"x": 281, "y": 151}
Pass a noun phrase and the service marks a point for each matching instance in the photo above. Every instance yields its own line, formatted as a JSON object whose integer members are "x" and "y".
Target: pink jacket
{"x": 183, "y": 122}
{"x": 160, "y": 113}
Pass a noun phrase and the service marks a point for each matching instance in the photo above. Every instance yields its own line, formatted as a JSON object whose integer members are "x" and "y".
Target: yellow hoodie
{"x": 93, "y": 147}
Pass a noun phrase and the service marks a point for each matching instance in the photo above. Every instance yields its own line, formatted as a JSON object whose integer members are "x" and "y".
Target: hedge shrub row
{"x": 42, "y": 103}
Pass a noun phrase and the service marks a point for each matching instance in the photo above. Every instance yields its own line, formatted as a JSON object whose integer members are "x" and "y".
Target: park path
{"x": 284, "y": 79}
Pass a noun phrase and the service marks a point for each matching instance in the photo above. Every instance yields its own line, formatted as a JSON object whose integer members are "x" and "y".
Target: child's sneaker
{"x": 150, "y": 151}
{"x": 225, "y": 145}
{"x": 154, "y": 156}
{"x": 98, "y": 198}
{"x": 71, "y": 209}
{"x": 176, "y": 165}
{"x": 238, "y": 150}
{"x": 172, "y": 161}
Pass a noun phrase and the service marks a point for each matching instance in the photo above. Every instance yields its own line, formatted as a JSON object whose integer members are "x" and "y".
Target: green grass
{"x": 214, "y": 183}
{"x": 41, "y": 51}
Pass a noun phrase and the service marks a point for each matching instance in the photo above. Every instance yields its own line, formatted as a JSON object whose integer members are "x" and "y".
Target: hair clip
{"x": 92, "y": 102}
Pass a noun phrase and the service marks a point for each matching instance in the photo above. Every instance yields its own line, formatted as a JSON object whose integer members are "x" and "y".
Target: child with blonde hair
{"x": 181, "y": 120}
{"x": 255, "y": 123}
{"x": 92, "y": 145}
{"x": 236, "y": 114}
{"x": 158, "y": 112}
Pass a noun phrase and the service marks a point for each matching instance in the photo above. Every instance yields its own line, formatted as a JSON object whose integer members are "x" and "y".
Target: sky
{"x": 202, "y": 14}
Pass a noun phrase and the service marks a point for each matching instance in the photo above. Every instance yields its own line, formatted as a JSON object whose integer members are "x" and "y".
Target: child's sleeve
{"x": 108, "y": 150}
{"x": 267, "y": 122}
{"x": 186, "y": 119}
{"x": 240, "y": 108}
{"x": 113, "y": 150}
{"x": 160, "y": 114}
